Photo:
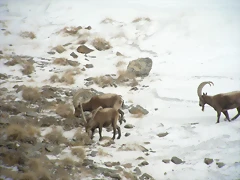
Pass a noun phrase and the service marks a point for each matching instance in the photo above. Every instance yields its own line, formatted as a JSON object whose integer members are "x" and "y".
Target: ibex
{"x": 220, "y": 102}
{"x": 102, "y": 117}
{"x": 105, "y": 100}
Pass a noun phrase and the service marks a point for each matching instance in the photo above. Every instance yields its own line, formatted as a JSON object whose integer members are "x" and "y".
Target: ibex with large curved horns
{"x": 220, "y": 102}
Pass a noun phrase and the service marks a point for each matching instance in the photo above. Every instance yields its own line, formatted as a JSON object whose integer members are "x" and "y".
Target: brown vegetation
{"x": 81, "y": 138}
{"x": 60, "y": 61}
{"x": 64, "y": 110}
{"x": 28, "y": 68}
{"x": 141, "y": 19}
{"x": 54, "y": 78}
{"x": 120, "y": 63}
{"x": 126, "y": 78}
{"x": 22, "y": 133}
{"x": 103, "y": 81}
{"x": 13, "y": 61}
{"x": 56, "y": 137}
{"x": 31, "y": 94}
{"x": 28, "y": 176}
{"x": 79, "y": 152}
{"x": 101, "y": 44}
{"x": 28, "y": 34}
{"x": 72, "y": 30}
{"x": 68, "y": 75}
{"x": 101, "y": 152}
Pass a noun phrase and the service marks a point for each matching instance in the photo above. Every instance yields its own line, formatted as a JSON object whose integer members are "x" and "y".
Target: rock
{"x": 118, "y": 54}
{"x": 220, "y": 164}
{"x": 51, "y": 52}
{"x": 32, "y": 114}
{"x": 162, "y": 134}
{"x": 127, "y": 134}
{"x": 140, "y": 158}
{"x": 134, "y": 89}
{"x": 146, "y": 176}
{"x": 110, "y": 164}
{"x": 84, "y": 49}
{"x": 48, "y": 92}
{"x": 112, "y": 175}
{"x": 89, "y": 66}
{"x": 88, "y": 28}
{"x": 60, "y": 49}
{"x": 3, "y": 76}
{"x": 176, "y": 160}
{"x": 137, "y": 171}
{"x": 144, "y": 163}
{"x": 140, "y": 67}
{"x": 74, "y": 55}
{"x": 127, "y": 165}
{"x": 73, "y": 63}
{"x": 49, "y": 148}
{"x": 93, "y": 153}
{"x": 87, "y": 162}
{"x": 138, "y": 110}
{"x": 67, "y": 44}
{"x": 208, "y": 161}
{"x": 1, "y": 52}
{"x": 128, "y": 126}
{"x": 166, "y": 160}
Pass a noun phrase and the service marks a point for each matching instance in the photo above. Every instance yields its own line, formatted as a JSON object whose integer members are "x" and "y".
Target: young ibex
{"x": 220, "y": 102}
{"x": 103, "y": 118}
{"x": 105, "y": 100}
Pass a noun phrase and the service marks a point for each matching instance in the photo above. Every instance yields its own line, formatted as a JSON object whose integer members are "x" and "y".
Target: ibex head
{"x": 200, "y": 95}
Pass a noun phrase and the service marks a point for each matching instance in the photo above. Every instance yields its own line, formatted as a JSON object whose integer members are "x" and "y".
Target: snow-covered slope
{"x": 188, "y": 41}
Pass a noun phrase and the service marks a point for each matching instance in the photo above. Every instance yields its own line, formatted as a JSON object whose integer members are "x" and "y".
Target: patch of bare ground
{"x": 28, "y": 34}
{"x": 101, "y": 44}
{"x": 138, "y": 19}
{"x": 56, "y": 137}
{"x": 31, "y": 94}
{"x": 68, "y": 76}
{"x": 64, "y": 110}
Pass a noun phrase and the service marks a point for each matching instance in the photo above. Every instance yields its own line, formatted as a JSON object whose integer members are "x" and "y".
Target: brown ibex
{"x": 220, "y": 102}
{"x": 105, "y": 100}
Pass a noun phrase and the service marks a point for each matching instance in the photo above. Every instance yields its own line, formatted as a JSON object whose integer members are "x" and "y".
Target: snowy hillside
{"x": 188, "y": 42}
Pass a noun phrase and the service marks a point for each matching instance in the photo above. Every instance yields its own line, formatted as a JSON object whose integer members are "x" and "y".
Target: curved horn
{"x": 84, "y": 118}
{"x": 200, "y": 87}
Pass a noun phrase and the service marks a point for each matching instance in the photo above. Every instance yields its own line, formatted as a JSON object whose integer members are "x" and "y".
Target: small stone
{"x": 220, "y": 164}
{"x": 128, "y": 126}
{"x": 1, "y": 52}
{"x": 162, "y": 134}
{"x": 51, "y": 52}
{"x": 146, "y": 176}
{"x": 74, "y": 55}
{"x": 140, "y": 158}
{"x": 127, "y": 134}
{"x": 87, "y": 162}
{"x": 127, "y": 165}
{"x": 119, "y": 54}
{"x": 208, "y": 161}
{"x": 67, "y": 44}
{"x": 84, "y": 49}
{"x": 144, "y": 163}
{"x": 88, "y": 28}
{"x": 49, "y": 148}
{"x": 73, "y": 63}
{"x": 110, "y": 164}
{"x": 89, "y": 66}
{"x": 137, "y": 171}
{"x": 166, "y": 160}
{"x": 93, "y": 153}
{"x": 31, "y": 114}
{"x": 176, "y": 160}
{"x": 165, "y": 173}
{"x": 60, "y": 49}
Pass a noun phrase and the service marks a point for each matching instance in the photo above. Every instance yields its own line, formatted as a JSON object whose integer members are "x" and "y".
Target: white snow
{"x": 189, "y": 41}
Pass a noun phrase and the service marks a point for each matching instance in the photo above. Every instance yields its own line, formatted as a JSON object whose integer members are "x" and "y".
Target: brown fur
{"x": 103, "y": 118}
{"x": 222, "y": 103}
{"x": 105, "y": 100}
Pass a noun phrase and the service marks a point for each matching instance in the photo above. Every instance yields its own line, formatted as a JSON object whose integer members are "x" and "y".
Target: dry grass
{"x": 6, "y": 33}
{"x": 27, "y": 34}
{"x": 28, "y": 176}
{"x": 101, "y": 152}
{"x": 101, "y": 44}
{"x": 8, "y": 173}
{"x": 79, "y": 152}
{"x": 81, "y": 41}
{"x": 126, "y": 78}
{"x": 21, "y": 133}
{"x": 13, "y": 61}
{"x": 72, "y": 30}
{"x": 11, "y": 158}
{"x": 141, "y": 19}
{"x": 129, "y": 175}
{"x": 64, "y": 110}
{"x": 60, "y": 61}
{"x": 68, "y": 76}
{"x": 81, "y": 138}
{"x": 107, "y": 20}
{"x": 54, "y": 78}
{"x": 67, "y": 162}
{"x": 103, "y": 81}
{"x": 120, "y": 63}
{"x": 31, "y": 94}
{"x": 56, "y": 137}
{"x": 36, "y": 164}
{"x": 28, "y": 68}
